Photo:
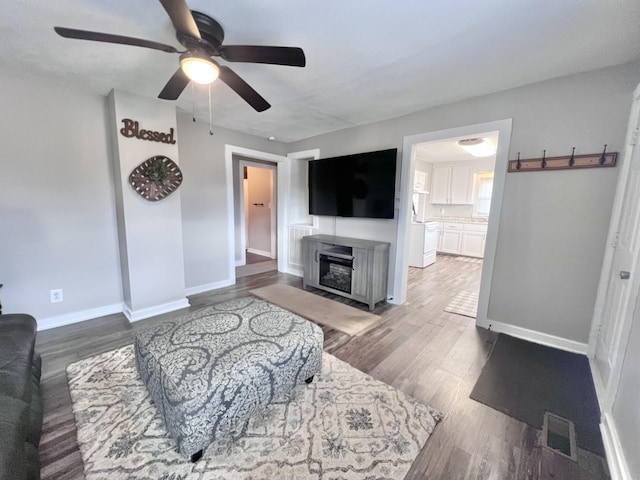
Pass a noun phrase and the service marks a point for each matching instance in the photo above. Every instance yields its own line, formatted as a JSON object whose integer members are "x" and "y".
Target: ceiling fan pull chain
{"x": 210, "y": 121}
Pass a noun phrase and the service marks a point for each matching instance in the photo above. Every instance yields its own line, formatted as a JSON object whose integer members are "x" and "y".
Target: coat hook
{"x": 571, "y": 160}
{"x": 518, "y": 165}
{"x": 603, "y": 158}
{"x": 544, "y": 158}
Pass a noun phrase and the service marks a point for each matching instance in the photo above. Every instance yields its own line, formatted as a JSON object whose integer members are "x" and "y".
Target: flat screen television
{"x": 359, "y": 185}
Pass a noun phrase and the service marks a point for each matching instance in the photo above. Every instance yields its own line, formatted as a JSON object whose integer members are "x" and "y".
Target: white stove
{"x": 423, "y": 240}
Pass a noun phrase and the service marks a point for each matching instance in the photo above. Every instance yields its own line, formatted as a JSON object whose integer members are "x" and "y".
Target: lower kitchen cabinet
{"x": 467, "y": 239}
{"x": 451, "y": 241}
{"x": 473, "y": 244}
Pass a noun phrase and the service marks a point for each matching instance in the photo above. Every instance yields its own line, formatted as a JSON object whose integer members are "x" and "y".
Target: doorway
{"x": 451, "y": 199}
{"x": 257, "y": 217}
{"x": 503, "y": 129}
{"x": 236, "y": 233}
{"x": 258, "y": 186}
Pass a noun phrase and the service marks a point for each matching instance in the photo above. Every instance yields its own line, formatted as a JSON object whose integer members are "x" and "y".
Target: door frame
{"x": 282, "y": 192}
{"x": 401, "y": 274}
{"x": 272, "y": 199}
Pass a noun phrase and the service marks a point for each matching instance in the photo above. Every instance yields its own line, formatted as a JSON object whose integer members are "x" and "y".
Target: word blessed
{"x": 132, "y": 129}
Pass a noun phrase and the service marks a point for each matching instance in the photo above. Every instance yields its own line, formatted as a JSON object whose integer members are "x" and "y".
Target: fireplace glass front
{"x": 335, "y": 272}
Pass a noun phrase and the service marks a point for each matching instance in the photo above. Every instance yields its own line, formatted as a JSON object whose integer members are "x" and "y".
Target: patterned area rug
{"x": 464, "y": 303}
{"x": 345, "y": 425}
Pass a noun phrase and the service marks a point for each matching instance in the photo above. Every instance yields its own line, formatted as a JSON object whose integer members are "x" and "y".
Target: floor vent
{"x": 559, "y": 435}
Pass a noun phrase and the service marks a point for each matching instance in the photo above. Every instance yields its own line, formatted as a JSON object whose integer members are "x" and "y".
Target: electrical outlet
{"x": 55, "y": 295}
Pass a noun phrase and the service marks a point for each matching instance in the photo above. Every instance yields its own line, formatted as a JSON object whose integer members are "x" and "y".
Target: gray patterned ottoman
{"x": 208, "y": 371}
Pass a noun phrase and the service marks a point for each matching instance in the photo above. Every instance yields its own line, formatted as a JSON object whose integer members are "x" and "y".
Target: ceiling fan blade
{"x": 243, "y": 89}
{"x": 292, "y": 56}
{"x": 181, "y": 18}
{"x": 110, "y": 38}
{"x": 174, "y": 87}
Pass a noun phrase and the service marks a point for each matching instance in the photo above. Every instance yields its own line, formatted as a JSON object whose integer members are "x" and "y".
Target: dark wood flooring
{"x": 255, "y": 258}
{"x": 430, "y": 354}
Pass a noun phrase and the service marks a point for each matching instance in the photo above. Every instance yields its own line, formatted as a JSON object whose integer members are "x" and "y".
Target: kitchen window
{"x": 483, "y": 192}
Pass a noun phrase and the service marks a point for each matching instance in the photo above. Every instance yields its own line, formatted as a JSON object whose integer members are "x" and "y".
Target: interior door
{"x": 623, "y": 278}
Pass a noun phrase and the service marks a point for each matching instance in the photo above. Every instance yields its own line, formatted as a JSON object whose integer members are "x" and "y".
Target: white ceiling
{"x": 366, "y": 60}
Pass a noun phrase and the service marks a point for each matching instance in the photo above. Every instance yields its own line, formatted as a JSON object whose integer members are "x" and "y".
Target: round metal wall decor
{"x": 156, "y": 178}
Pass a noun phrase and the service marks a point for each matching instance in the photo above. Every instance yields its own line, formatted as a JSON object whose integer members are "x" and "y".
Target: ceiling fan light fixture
{"x": 478, "y": 147}
{"x": 199, "y": 69}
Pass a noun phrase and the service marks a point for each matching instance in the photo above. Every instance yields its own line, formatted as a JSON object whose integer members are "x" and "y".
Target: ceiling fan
{"x": 202, "y": 38}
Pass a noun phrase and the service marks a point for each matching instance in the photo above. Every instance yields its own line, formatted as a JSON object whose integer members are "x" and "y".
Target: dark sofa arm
{"x": 14, "y": 420}
{"x": 17, "y": 342}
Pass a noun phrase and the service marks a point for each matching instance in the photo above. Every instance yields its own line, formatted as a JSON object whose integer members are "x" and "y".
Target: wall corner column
{"x": 149, "y": 232}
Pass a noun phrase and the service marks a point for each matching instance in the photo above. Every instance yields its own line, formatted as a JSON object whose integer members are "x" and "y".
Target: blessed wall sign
{"x": 132, "y": 129}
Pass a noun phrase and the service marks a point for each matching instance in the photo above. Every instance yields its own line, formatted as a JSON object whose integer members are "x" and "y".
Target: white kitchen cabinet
{"x": 452, "y": 184}
{"x": 452, "y": 237}
{"x": 473, "y": 244}
{"x": 451, "y": 241}
{"x": 440, "y": 180}
{"x": 466, "y": 239}
{"x": 473, "y": 240}
{"x": 461, "y": 191}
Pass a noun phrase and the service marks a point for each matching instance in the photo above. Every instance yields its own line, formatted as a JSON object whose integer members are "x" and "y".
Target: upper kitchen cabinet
{"x": 452, "y": 184}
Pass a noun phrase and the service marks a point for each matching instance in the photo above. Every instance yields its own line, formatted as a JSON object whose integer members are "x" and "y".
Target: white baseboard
{"x": 240, "y": 263}
{"x": 615, "y": 456}
{"x": 81, "y": 316}
{"x": 207, "y": 287}
{"x": 535, "y": 337}
{"x": 135, "y": 315}
{"x": 297, "y": 271}
{"x": 259, "y": 252}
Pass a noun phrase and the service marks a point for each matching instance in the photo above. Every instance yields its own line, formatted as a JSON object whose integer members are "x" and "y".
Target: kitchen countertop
{"x": 459, "y": 219}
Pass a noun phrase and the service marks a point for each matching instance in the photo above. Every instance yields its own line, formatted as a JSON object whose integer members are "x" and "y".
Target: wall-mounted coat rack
{"x": 567, "y": 162}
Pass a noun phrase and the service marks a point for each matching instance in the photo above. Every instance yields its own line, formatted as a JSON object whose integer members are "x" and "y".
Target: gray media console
{"x": 350, "y": 267}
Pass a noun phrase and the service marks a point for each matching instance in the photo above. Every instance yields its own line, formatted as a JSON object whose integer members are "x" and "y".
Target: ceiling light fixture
{"x": 199, "y": 68}
{"x": 478, "y": 147}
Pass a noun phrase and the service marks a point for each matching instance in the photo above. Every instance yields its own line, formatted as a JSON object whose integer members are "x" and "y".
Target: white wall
{"x": 204, "y": 199}
{"x": 553, "y": 224}
{"x": 58, "y": 216}
{"x": 57, "y": 210}
{"x": 150, "y": 233}
{"x": 57, "y": 213}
